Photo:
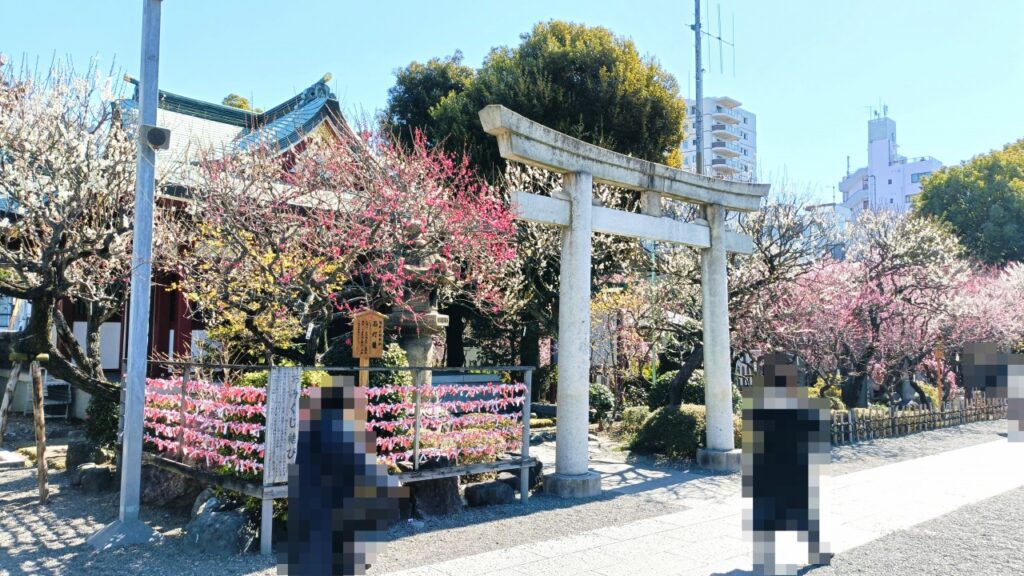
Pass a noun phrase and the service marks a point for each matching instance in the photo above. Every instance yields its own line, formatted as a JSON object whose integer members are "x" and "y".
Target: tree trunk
{"x": 693, "y": 361}
{"x": 40, "y": 425}
{"x": 35, "y": 340}
{"x": 454, "y": 337}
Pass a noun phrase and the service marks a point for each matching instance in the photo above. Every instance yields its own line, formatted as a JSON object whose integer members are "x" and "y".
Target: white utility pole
{"x": 128, "y": 528}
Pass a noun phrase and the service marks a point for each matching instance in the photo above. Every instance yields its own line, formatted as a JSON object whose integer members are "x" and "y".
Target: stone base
{"x": 11, "y": 459}
{"x": 577, "y": 486}
{"x": 720, "y": 460}
{"x": 121, "y": 533}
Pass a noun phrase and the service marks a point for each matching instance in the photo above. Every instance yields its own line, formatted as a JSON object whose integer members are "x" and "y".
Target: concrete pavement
{"x": 706, "y": 536}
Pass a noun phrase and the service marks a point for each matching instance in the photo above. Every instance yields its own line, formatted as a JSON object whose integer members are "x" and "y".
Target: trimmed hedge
{"x": 678, "y": 433}
{"x": 633, "y": 419}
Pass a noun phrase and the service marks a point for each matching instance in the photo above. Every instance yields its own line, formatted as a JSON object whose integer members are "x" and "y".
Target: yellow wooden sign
{"x": 368, "y": 334}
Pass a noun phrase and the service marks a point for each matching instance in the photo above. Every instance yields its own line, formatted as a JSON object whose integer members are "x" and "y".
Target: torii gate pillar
{"x": 581, "y": 165}
{"x": 572, "y": 478}
{"x": 721, "y": 453}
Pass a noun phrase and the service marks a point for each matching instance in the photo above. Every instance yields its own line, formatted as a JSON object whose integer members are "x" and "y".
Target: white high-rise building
{"x": 730, "y": 139}
{"x": 889, "y": 181}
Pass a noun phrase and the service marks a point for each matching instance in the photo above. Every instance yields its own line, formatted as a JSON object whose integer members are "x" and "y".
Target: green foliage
{"x": 418, "y": 89}
{"x": 101, "y": 421}
{"x": 258, "y": 379}
{"x": 983, "y": 201}
{"x": 833, "y": 394}
{"x": 692, "y": 392}
{"x": 601, "y": 401}
{"x": 635, "y": 390}
{"x": 633, "y": 419}
{"x": 541, "y": 423}
{"x": 658, "y": 394}
{"x": 674, "y": 432}
{"x": 544, "y": 379}
{"x": 737, "y": 430}
{"x": 583, "y": 81}
{"x": 932, "y": 393}
{"x": 678, "y": 433}
{"x": 235, "y": 101}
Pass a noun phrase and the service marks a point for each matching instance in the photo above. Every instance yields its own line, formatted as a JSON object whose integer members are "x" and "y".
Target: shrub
{"x": 101, "y": 418}
{"x": 601, "y": 401}
{"x": 678, "y": 433}
{"x": 657, "y": 396}
{"x": 933, "y": 394}
{"x": 541, "y": 423}
{"x": 636, "y": 389}
{"x": 833, "y": 394}
{"x": 737, "y": 430}
{"x": 692, "y": 392}
{"x": 633, "y": 418}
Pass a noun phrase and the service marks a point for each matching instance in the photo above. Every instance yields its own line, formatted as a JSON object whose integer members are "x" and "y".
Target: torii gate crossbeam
{"x": 582, "y": 164}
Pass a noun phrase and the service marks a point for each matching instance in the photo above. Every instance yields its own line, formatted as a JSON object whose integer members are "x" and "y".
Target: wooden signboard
{"x": 367, "y": 340}
{"x": 282, "y": 420}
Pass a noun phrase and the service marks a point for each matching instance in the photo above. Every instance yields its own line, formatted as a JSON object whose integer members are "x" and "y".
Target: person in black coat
{"x": 786, "y": 440}
{"x": 340, "y": 500}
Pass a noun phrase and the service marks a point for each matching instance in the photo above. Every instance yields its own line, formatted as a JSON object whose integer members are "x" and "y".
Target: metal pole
{"x": 128, "y": 529}
{"x": 524, "y": 455}
{"x": 698, "y": 122}
{"x": 417, "y": 383}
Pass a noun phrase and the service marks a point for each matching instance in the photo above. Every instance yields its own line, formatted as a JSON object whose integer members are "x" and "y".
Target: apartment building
{"x": 730, "y": 139}
{"x": 890, "y": 181}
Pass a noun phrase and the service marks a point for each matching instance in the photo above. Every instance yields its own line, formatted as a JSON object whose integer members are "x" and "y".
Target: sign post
{"x": 367, "y": 340}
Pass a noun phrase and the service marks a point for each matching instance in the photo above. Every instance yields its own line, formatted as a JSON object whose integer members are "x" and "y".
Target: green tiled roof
{"x": 284, "y": 125}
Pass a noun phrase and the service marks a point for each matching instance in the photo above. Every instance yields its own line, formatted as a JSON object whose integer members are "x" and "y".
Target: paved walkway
{"x": 706, "y": 537}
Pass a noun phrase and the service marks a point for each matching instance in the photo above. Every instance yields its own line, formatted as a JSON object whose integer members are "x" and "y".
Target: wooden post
{"x": 40, "y": 425}
{"x": 8, "y": 398}
{"x": 367, "y": 340}
{"x": 364, "y": 375}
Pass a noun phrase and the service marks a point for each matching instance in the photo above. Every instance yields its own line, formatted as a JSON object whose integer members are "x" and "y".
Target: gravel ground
{"x": 50, "y": 539}
{"x": 986, "y": 538}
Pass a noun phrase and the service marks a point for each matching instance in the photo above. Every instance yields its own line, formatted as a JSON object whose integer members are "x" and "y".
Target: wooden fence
{"x": 859, "y": 424}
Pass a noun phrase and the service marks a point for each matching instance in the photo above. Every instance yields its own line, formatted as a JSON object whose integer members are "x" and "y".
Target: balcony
{"x": 726, "y": 165}
{"x": 726, "y": 132}
{"x": 727, "y": 116}
{"x": 726, "y": 149}
{"x": 726, "y": 102}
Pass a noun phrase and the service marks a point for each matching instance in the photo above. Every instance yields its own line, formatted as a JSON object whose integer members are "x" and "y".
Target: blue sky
{"x": 951, "y": 72}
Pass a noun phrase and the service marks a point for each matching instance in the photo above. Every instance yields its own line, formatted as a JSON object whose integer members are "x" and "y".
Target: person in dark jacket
{"x": 786, "y": 440}
{"x": 340, "y": 500}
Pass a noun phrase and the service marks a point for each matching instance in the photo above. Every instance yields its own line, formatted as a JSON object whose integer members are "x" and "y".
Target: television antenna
{"x": 700, "y": 35}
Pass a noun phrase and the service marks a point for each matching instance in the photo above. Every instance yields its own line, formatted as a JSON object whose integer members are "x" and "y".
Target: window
{"x": 865, "y": 204}
{"x": 909, "y": 199}
{"x": 916, "y": 177}
{"x": 744, "y": 119}
{"x": 890, "y": 180}
{"x": 864, "y": 183}
{"x": 890, "y": 200}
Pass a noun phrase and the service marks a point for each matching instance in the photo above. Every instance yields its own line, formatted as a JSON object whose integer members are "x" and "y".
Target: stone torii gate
{"x": 581, "y": 164}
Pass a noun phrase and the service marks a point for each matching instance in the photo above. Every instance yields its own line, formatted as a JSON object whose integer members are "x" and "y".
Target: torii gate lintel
{"x": 583, "y": 164}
